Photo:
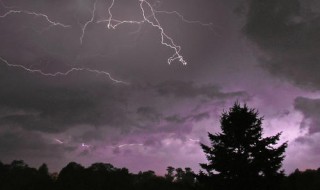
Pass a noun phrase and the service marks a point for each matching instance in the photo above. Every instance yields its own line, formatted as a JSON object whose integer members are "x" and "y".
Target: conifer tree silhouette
{"x": 239, "y": 156}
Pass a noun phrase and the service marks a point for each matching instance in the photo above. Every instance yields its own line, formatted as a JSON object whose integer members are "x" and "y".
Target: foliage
{"x": 239, "y": 156}
{"x": 101, "y": 176}
{"x": 307, "y": 180}
{"x": 98, "y": 176}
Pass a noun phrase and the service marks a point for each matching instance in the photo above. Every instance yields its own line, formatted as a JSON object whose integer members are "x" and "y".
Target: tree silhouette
{"x": 101, "y": 176}
{"x": 170, "y": 173}
{"x": 44, "y": 181}
{"x": 307, "y": 180}
{"x": 239, "y": 157}
{"x": 72, "y": 177}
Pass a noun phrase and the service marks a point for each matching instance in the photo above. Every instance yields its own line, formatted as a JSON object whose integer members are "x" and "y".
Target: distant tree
{"x": 170, "y": 173}
{"x": 18, "y": 175}
{"x": 306, "y": 180}
{"x": 43, "y": 170}
{"x": 183, "y": 178}
{"x": 44, "y": 180}
{"x": 189, "y": 177}
{"x": 18, "y": 164}
{"x": 179, "y": 175}
{"x": 239, "y": 157}
{"x": 3, "y": 172}
{"x": 101, "y": 167}
{"x": 147, "y": 175}
{"x": 72, "y": 177}
{"x": 148, "y": 180}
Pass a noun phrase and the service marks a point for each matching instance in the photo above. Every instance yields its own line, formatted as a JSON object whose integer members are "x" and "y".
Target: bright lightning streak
{"x": 58, "y": 141}
{"x": 85, "y": 145}
{"x": 88, "y": 22}
{"x": 110, "y": 15}
{"x": 125, "y": 145}
{"x": 164, "y": 36}
{"x": 53, "y": 23}
{"x": 165, "y": 39}
{"x": 194, "y": 140}
{"x": 46, "y": 17}
{"x": 63, "y": 73}
{"x": 116, "y": 22}
{"x": 111, "y": 24}
{"x": 210, "y": 25}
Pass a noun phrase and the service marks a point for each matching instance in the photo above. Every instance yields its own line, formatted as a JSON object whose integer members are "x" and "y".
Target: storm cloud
{"x": 286, "y": 34}
{"x": 310, "y": 109}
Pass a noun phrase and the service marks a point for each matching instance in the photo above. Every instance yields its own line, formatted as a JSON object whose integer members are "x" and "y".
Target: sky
{"x": 139, "y": 84}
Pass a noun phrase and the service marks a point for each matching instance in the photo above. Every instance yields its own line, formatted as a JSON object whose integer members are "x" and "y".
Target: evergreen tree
{"x": 239, "y": 157}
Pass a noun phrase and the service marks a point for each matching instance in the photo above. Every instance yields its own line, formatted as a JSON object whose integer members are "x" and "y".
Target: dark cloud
{"x": 19, "y": 143}
{"x": 200, "y": 116}
{"x": 185, "y": 89}
{"x": 192, "y": 117}
{"x": 311, "y": 143}
{"x": 149, "y": 113}
{"x": 287, "y": 33}
{"x": 304, "y": 140}
{"x": 176, "y": 119}
{"x": 55, "y": 104}
{"x": 310, "y": 109}
{"x": 84, "y": 153}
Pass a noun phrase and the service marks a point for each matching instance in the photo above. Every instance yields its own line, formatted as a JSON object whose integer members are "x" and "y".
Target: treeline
{"x": 100, "y": 176}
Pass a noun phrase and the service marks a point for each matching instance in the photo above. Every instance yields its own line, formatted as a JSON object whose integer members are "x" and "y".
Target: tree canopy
{"x": 239, "y": 156}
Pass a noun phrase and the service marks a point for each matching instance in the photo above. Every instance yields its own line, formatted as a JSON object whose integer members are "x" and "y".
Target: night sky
{"x": 89, "y": 81}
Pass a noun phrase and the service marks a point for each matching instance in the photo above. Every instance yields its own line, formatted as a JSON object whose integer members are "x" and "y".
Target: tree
{"x": 179, "y": 175}
{"x": 306, "y": 180}
{"x": 44, "y": 181}
{"x": 239, "y": 157}
{"x": 43, "y": 170}
{"x": 170, "y": 173}
{"x": 72, "y": 177}
{"x": 189, "y": 177}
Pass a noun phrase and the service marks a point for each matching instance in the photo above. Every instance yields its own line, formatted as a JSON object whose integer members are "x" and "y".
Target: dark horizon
{"x": 98, "y": 176}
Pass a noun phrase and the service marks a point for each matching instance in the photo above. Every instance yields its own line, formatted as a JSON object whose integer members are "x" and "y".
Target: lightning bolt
{"x": 108, "y": 75}
{"x": 46, "y": 17}
{"x": 58, "y": 141}
{"x": 83, "y": 29}
{"x": 194, "y": 140}
{"x": 210, "y": 25}
{"x": 124, "y": 145}
{"x": 164, "y": 36}
{"x": 152, "y": 20}
{"x": 112, "y": 23}
{"x": 53, "y": 23}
